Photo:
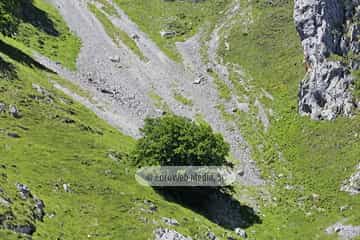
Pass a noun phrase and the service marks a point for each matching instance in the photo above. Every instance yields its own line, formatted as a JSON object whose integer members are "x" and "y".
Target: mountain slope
{"x": 56, "y": 152}
{"x": 239, "y": 68}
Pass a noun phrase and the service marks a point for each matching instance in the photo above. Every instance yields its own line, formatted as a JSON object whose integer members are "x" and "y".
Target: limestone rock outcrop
{"x": 329, "y": 32}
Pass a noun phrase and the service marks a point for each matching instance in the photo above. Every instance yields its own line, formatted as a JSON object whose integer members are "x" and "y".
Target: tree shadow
{"x": 7, "y": 70}
{"x": 21, "y": 57}
{"x": 214, "y": 204}
{"x": 38, "y": 18}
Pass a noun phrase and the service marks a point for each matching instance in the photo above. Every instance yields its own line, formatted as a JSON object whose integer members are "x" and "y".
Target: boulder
{"x": 200, "y": 79}
{"x": 170, "y": 221}
{"x": 24, "y": 191}
{"x": 66, "y": 187}
{"x": 211, "y": 236}
{"x": 167, "y": 34}
{"x": 167, "y": 234}
{"x": 27, "y": 229}
{"x": 115, "y": 59}
{"x": 38, "y": 210}
{"x": 240, "y": 232}
{"x": 14, "y": 111}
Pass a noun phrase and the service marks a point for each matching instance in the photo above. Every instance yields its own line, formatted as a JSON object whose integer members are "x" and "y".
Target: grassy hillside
{"x": 182, "y": 17}
{"x": 68, "y": 157}
{"x": 306, "y": 160}
{"x": 38, "y": 25}
{"x": 78, "y": 165}
{"x": 61, "y": 142}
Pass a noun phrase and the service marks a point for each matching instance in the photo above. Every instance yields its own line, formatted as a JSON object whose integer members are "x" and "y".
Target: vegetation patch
{"x": 181, "y": 19}
{"x": 177, "y": 141}
{"x": 79, "y": 166}
{"x": 115, "y": 33}
{"x": 223, "y": 89}
{"x": 182, "y": 99}
{"x": 108, "y": 8}
{"x": 159, "y": 102}
{"x": 306, "y": 160}
{"x": 41, "y": 28}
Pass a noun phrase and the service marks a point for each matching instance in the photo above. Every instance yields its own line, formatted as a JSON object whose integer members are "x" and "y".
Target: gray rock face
{"x": 328, "y": 28}
{"x": 345, "y": 232}
{"x": 352, "y": 185}
{"x": 167, "y": 234}
{"x": 14, "y": 111}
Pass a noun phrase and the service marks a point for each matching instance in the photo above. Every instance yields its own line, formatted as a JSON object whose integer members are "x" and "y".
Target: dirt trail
{"x": 123, "y": 86}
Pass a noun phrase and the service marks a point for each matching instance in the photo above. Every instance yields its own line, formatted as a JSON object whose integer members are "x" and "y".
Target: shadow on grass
{"x": 20, "y": 56}
{"x": 214, "y": 204}
{"x": 37, "y": 17}
{"x": 7, "y": 70}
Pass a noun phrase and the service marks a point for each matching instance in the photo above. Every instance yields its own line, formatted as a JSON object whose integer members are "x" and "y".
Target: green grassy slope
{"x": 316, "y": 156}
{"x": 43, "y": 29}
{"x": 58, "y": 141}
{"x": 64, "y": 143}
{"x": 184, "y": 17}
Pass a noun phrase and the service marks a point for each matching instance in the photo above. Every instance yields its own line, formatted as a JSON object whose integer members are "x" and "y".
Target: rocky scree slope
{"x": 329, "y": 31}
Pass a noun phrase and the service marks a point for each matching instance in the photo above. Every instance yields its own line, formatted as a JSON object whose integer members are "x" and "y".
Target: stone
{"x": 151, "y": 205}
{"x": 170, "y": 221}
{"x": 14, "y": 111}
{"x": 211, "y": 236}
{"x": 345, "y": 232}
{"x": 24, "y": 191}
{"x": 240, "y": 232}
{"x": 115, "y": 59}
{"x": 167, "y": 234}
{"x": 2, "y": 107}
{"x": 135, "y": 36}
{"x": 352, "y": 185}
{"x": 66, "y": 187}
{"x": 43, "y": 92}
{"x": 28, "y": 229}
{"x": 167, "y": 34}
{"x": 200, "y": 79}
{"x": 106, "y": 91}
{"x": 39, "y": 211}
{"x": 13, "y": 135}
{"x": 39, "y": 89}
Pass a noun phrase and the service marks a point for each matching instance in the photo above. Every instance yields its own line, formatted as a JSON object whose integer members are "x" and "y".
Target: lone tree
{"x": 177, "y": 141}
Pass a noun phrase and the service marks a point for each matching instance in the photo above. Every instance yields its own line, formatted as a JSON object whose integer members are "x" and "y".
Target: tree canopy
{"x": 178, "y": 141}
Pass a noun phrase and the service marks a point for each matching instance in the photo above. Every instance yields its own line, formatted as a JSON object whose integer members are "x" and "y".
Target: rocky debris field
{"x": 129, "y": 89}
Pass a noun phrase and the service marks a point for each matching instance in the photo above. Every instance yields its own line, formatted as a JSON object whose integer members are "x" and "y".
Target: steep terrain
{"x": 64, "y": 171}
{"x": 235, "y": 64}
